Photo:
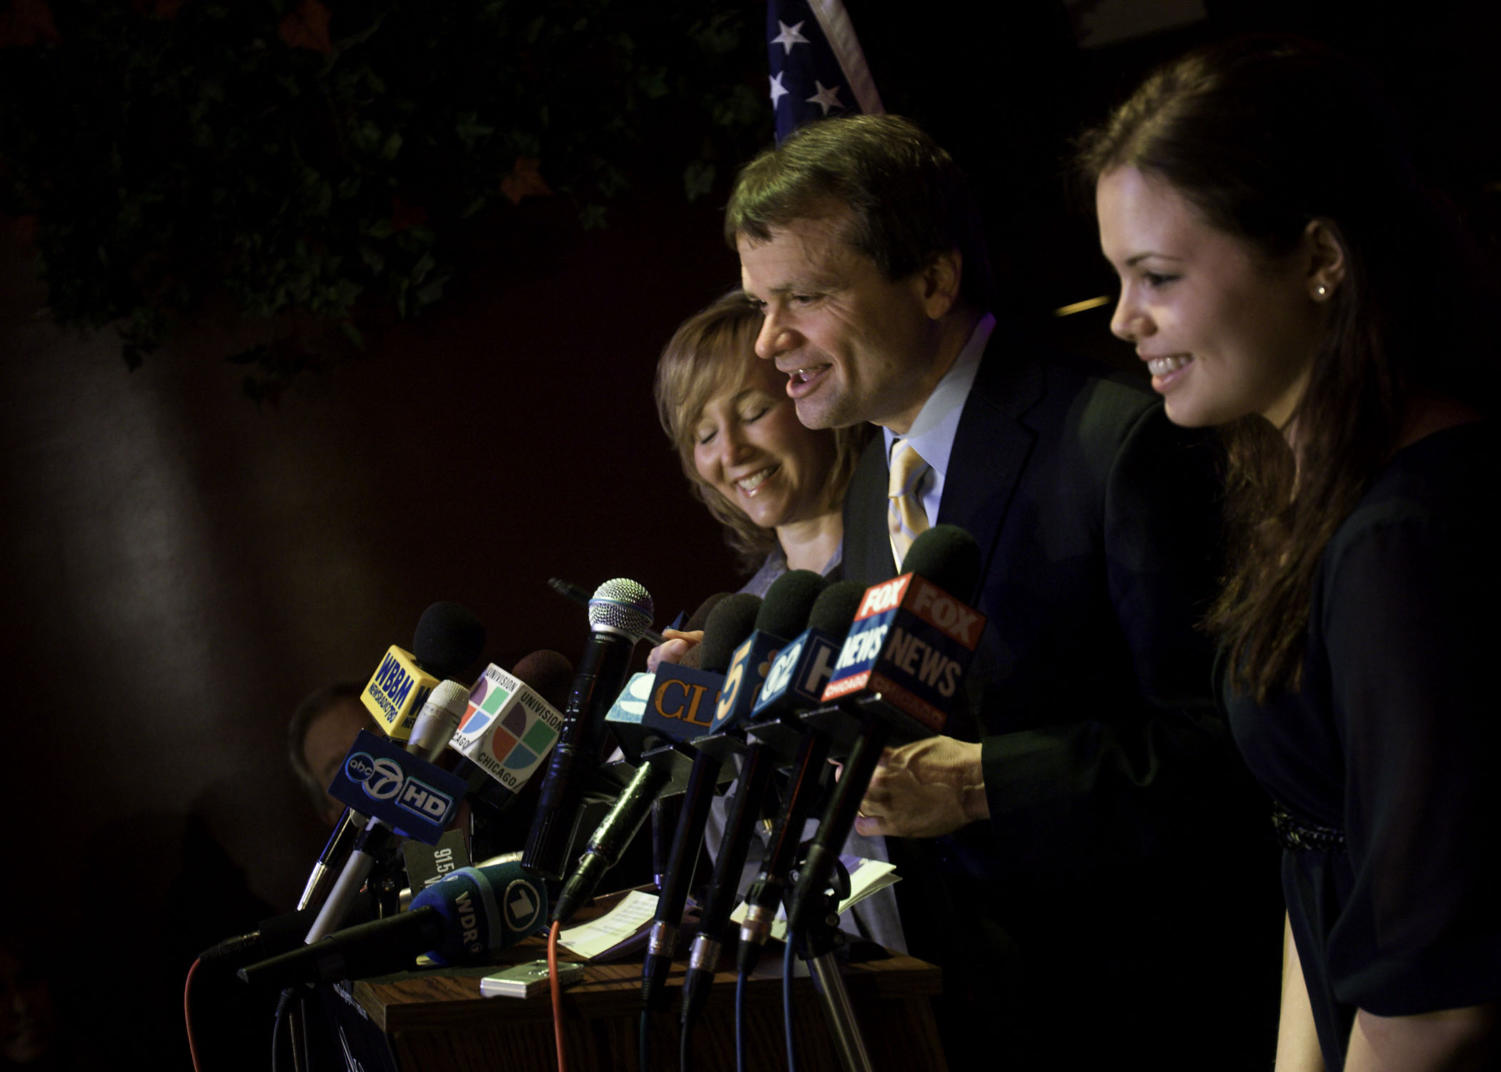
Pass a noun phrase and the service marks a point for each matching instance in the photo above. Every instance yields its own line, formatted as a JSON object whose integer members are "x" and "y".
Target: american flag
{"x": 817, "y": 68}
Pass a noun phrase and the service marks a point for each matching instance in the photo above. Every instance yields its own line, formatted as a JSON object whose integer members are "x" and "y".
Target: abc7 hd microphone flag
{"x": 381, "y": 779}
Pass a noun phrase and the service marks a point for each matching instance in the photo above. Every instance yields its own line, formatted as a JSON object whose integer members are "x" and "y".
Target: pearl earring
{"x": 1321, "y": 292}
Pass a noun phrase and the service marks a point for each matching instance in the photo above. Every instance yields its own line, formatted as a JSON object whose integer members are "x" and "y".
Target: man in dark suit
{"x": 1076, "y": 849}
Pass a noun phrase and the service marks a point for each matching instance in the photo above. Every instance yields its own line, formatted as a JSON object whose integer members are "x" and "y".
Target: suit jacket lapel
{"x": 867, "y": 549}
{"x": 991, "y": 448}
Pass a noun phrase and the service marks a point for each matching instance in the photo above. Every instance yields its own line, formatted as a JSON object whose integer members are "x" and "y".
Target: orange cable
{"x": 187, "y": 1017}
{"x": 557, "y": 992}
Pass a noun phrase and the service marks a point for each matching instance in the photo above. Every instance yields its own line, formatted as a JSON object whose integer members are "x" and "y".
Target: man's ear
{"x": 1324, "y": 247}
{"x": 940, "y": 283}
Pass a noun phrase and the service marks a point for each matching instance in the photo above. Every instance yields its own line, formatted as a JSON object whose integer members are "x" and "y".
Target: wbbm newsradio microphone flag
{"x": 817, "y": 68}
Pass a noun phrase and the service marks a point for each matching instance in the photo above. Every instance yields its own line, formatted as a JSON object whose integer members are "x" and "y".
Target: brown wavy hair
{"x": 1263, "y": 136}
{"x": 709, "y": 353}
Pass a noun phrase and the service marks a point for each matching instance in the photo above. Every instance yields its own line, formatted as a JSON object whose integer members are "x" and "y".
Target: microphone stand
{"x": 816, "y": 943}
{"x": 821, "y": 882}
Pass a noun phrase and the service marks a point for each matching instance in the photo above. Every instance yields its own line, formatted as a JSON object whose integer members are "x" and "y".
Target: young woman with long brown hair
{"x": 1283, "y": 275}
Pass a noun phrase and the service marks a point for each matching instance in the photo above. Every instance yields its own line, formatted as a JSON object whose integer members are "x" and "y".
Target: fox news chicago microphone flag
{"x": 817, "y": 67}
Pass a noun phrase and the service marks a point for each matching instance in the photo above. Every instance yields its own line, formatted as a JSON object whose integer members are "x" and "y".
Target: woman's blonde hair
{"x": 710, "y": 353}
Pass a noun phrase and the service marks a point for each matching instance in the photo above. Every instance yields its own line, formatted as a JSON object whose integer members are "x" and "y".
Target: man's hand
{"x": 676, "y": 648}
{"x": 924, "y": 789}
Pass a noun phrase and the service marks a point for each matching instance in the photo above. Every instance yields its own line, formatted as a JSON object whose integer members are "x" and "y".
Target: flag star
{"x": 826, "y": 98}
{"x": 778, "y": 91}
{"x": 790, "y": 35}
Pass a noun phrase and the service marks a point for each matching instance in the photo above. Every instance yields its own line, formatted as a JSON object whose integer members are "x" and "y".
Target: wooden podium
{"x": 438, "y": 1022}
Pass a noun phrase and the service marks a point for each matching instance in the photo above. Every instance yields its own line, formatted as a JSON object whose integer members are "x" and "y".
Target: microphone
{"x": 728, "y": 623}
{"x": 501, "y": 742}
{"x": 911, "y": 639}
{"x": 782, "y": 614}
{"x": 676, "y": 703}
{"x": 899, "y": 669}
{"x": 492, "y": 737}
{"x": 811, "y": 657}
{"x": 431, "y": 733}
{"x": 673, "y": 691}
{"x": 288, "y": 930}
{"x": 435, "y": 723}
{"x": 580, "y": 595}
{"x": 700, "y": 617}
{"x": 802, "y": 669}
{"x": 620, "y": 610}
{"x": 610, "y": 838}
{"x": 510, "y": 722}
{"x": 462, "y": 918}
{"x": 447, "y": 639}
{"x": 828, "y": 623}
{"x": 270, "y": 936}
{"x": 730, "y": 619}
{"x": 698, "y": 620}
{"x": 548, "y": 673}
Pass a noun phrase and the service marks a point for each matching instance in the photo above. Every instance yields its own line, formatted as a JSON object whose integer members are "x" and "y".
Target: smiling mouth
{"x": 801, "y": 381}
{"x": 749, "y": 484}
{"x": 1161, "y": 366}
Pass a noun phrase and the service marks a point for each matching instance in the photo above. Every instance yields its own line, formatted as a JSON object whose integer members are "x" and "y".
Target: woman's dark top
{"x": 1392, "y": 747}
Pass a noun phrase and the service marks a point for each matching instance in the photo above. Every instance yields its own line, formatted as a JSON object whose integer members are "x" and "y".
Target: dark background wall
{"x": 181, "y": 567}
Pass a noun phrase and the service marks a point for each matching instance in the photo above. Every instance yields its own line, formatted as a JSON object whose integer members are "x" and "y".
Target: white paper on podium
{"x": 622, "y": 923}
